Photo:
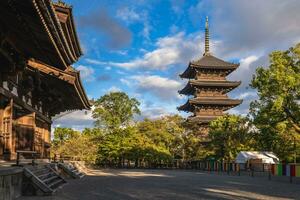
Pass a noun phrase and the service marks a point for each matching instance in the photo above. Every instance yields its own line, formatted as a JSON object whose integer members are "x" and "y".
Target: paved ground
{"x": 168, "y": 184}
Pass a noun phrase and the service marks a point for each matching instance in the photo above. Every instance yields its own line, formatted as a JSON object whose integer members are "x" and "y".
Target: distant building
{"x": 257, "y": 157}
{"x": 209, "y": 87}
{"x": 38, "y": 45}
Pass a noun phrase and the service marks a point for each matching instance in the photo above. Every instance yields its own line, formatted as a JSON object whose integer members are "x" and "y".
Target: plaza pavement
{"x": 112, "y": 184}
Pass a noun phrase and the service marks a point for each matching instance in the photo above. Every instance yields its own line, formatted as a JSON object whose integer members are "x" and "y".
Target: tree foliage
{"x": 278, "y": 89}
{"x": 273, "y": 124}
{"x": 115, "y": 110}
{"x": 73, "y": 144}
{"x": 276, "y": 113}
{"x": 229, "y": 135}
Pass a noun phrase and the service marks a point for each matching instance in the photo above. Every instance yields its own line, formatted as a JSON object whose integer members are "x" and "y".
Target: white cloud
{"x": 247, "y": 67}
{"x": 126, "y": 82}
{"x": 245, "y": 62}
{"x": 247, "y": 95}
{"x": 251, "y": 27}
{"x": 146, "y": 30}
{"x": 177, "y": 49}
{"x": 114, "y": 89}
{"x": 170, "y": 50}
{"x": 93, "y": 61}
{"x": 77, "y": 120}
{"x": 177, "y": 5}
{"x": 153, "y": 113}
{"x": 129, "y": 15}
{"x": 160, "y": 87}
{"x": 86, "y": 73}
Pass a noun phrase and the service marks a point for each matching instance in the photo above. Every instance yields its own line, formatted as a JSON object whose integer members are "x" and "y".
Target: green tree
{"x": 276, "y": 114}
{"x": 229, "y": 135}
{"x": 278, "y": 89}
{"x": 115, "y": 110}
{"x": 63, "y": 134}
{"x": 165, "y": 132}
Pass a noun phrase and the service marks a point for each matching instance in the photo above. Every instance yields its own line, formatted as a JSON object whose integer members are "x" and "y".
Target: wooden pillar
{"x": 6, "y": 130}
{"x": 1, "y": 133}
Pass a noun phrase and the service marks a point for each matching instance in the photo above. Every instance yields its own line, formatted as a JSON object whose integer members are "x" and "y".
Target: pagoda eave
{"x": 216, "y": 102}
{"x": 191, "y": 86}
{"x": 226, "y": 104}
{"x": 210, "y": 61}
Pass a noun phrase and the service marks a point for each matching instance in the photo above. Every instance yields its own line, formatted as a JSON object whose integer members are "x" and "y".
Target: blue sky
{"x": 140, "y": 47}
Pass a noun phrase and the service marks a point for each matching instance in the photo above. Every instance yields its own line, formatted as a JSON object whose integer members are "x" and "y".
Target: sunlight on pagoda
{"x": 209, "y": 87}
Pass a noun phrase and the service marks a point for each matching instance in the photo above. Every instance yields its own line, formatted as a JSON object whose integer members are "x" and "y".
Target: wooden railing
{"x": 32, "y": 153}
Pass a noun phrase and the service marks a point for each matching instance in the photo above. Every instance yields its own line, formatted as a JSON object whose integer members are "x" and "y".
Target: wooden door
{"x": 24, "y": 131}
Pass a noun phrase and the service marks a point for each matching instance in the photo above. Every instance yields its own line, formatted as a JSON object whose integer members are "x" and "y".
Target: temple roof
{"x": 42, "y": 30}
{"x": 208, "y": 62}
{"x": 72, "y": 95}
{"x": 191, "y": 104}
{"x": 191, "y": 86}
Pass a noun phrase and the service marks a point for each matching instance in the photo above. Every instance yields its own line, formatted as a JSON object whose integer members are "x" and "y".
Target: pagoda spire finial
{"x": 206, "y": 52}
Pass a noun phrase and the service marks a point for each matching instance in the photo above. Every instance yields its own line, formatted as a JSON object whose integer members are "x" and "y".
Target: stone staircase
{"x": 41, "y": 180}
{"x": 71, "y": 170}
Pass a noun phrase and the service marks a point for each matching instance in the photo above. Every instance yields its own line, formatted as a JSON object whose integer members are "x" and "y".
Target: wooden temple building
{"x": 38, "y": 45}
{"x": 208, "y": 87}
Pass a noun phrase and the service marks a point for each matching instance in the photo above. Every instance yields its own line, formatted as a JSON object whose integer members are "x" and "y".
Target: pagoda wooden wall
{"x": 211, "y": 75}
{"x": 22, "y": 130}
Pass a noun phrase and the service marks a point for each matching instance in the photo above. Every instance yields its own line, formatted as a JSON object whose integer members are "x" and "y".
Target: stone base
{"x": 10, "y": 182}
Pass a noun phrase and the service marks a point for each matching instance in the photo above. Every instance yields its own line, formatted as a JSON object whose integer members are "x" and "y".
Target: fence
{"x": 254, "y": 169}
{"x": 292, "y": 170}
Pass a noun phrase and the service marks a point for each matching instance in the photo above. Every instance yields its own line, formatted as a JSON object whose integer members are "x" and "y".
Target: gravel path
{"x": 171, "y": 184}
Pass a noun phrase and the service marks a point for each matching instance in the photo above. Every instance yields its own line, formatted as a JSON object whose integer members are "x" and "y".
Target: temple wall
{"x": 211, "y": 93}
{"x": 210, "y": 76}
{"x": 20, "y": 129}
{"x": 42, "y": 138}
{"x": 209, "y": 112}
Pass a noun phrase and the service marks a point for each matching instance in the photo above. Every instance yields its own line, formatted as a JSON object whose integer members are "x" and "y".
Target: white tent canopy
{"x": 265, "y": 156}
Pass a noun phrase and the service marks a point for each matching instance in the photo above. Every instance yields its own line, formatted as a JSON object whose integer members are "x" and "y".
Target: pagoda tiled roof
{"x": 208, "y": 62}
{"x": 190, "y": 105}
{"x": 193, "y": 84}
{"x": 212, "y": 61}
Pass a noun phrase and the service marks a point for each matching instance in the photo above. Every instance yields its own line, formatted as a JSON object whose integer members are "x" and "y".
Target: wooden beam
{"x": 52, "y": 71}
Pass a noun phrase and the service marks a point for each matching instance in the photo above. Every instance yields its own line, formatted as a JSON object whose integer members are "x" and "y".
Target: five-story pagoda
{"x": 209, "y": 87}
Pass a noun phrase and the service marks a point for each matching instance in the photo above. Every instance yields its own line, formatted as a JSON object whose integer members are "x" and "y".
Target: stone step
{"x": 44, "y": 176}
{"x": 45, "y": 179}
{"x": 51, "y": 178}
{"x": 71, "y": 170}
{"x": 41, "y": 171}
{"x": 55, "y": 184}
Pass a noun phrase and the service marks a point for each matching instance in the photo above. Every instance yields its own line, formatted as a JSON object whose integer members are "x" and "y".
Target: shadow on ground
{"x": 171, "y": 184}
